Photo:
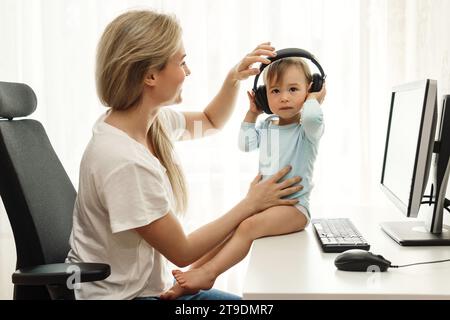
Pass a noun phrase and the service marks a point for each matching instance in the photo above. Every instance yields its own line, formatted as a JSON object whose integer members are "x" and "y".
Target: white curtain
{"x": 365, "y": 47}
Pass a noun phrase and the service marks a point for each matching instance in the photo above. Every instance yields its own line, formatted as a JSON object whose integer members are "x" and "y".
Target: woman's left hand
{"x": 244, "y": 69}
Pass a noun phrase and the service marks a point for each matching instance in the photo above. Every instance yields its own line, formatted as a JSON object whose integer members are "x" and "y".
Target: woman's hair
{"x": 276, "y": 69}
{"x": 133, "y": 44}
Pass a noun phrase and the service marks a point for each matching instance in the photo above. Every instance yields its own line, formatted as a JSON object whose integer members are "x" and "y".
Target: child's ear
{"x": 310, "y": 86}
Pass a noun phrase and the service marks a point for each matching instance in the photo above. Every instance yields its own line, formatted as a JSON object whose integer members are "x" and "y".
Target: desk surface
{"x": 294, "y": 267}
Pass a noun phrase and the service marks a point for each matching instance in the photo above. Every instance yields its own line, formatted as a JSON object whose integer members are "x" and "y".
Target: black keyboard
{"x": 338, "y": 235}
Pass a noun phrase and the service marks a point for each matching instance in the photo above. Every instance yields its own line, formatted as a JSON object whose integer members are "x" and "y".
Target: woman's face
{"x": 171, "y": 78}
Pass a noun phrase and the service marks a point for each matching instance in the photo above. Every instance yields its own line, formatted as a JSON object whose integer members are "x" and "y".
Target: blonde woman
{"x": 131, "y": 188}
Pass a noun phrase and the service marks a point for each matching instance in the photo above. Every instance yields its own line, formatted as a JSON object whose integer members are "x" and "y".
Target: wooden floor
{"x": 7, "y": 256}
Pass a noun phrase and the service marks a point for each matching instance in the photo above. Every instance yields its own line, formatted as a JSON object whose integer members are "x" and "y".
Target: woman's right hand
{"x": 268, "y": 193}
{"x": 244, "y": 69}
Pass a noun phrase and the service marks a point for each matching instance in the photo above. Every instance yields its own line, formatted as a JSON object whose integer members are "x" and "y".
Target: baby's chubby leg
{"x": 273, "y": 221}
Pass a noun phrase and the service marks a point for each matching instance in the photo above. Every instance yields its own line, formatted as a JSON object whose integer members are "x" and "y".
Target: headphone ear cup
{"x": 261, "y": 99}
{"x": 317, "y": 82}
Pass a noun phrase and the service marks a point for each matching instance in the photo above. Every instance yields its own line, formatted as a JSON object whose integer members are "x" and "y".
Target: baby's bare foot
{"x": 175, "y": 292}
{"x": 178, "y": 275}
{"x": 195, "y": 279}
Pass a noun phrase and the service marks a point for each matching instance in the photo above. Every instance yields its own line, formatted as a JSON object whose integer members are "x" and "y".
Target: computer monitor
{"x": 410, "y": 144}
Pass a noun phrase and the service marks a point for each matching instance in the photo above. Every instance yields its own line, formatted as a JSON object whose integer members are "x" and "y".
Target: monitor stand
{"x": 415, "y": 233}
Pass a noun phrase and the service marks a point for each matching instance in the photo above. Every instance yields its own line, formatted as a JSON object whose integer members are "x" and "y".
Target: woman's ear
{"x": 150, "y": 79}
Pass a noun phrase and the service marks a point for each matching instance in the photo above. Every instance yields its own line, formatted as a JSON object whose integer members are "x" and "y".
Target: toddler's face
{"x": 287, "y": 95}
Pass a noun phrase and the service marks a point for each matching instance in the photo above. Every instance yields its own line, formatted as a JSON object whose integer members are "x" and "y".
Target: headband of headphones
{"x": 290, "y": 52}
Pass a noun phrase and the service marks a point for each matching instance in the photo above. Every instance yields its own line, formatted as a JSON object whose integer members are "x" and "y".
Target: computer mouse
{"x": 361, "y": 260}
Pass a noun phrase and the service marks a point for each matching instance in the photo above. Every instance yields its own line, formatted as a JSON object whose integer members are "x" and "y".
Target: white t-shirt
{"x": 122, "y": 186}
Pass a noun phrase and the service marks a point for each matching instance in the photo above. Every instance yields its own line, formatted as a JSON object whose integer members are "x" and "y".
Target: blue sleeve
{"x": 248, "y": 137}
{"x": 312, "y": 120}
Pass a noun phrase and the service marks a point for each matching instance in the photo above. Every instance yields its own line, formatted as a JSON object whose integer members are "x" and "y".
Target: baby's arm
{"x": 312, "y": 116}
{"x": 249, "y": 134}
{"x": 312, "y": 120}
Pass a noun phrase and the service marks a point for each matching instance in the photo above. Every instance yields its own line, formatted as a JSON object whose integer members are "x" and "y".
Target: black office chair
{"x": 39, "y": 199}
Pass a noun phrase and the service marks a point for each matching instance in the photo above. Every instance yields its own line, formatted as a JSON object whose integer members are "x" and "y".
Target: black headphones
{"x": 260, "y": 92}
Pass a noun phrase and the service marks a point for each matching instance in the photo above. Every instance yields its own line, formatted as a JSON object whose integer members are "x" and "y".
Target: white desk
{"x": 294, "y": 267}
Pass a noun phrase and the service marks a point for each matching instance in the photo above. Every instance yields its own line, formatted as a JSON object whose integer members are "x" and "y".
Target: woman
{"x": 131, "y": 188}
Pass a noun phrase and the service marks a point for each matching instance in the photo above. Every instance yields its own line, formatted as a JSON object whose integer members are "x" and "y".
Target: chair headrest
{"x": 16, "y": 100}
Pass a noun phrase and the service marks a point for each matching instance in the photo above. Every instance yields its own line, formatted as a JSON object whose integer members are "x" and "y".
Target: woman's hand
{"x": 268, "y": 193}
{"x": 319, "y": 96}
{"x": 244, "y": 69}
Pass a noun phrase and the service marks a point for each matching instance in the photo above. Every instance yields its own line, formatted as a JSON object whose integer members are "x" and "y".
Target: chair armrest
{"x": 58, "y": 273}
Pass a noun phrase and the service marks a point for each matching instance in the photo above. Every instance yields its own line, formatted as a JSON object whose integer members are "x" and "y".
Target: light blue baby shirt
{"x": 294, "y": 144}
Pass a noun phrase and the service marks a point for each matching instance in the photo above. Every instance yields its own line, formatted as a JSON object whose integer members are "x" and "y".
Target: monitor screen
{"x": 409, "y": 144}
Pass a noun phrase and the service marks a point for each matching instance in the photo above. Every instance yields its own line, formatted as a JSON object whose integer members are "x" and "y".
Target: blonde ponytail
{"x": 164, "y": 152}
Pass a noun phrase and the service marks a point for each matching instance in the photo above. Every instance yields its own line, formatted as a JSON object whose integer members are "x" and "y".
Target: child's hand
{"x": 253, "y": 108}
{"x": 319, "y": 96}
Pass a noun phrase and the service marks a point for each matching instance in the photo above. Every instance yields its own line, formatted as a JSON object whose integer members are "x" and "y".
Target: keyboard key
{"x": 332, "y": 241}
